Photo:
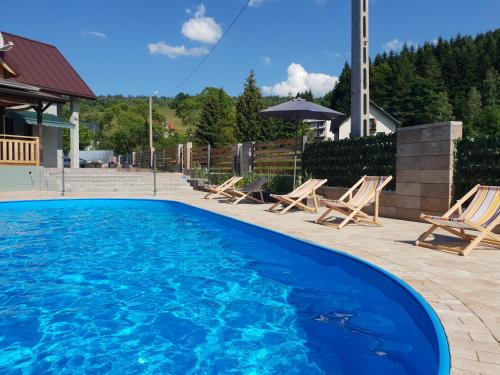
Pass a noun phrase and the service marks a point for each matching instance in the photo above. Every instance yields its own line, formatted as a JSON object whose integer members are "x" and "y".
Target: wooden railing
{"x": 19, "y": 150}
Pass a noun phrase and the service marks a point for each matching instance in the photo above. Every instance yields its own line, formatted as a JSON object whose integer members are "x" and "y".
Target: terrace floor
{"x": 464, "y": 291}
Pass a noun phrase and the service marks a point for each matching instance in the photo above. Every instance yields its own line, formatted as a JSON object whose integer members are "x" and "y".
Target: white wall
{"x": 51, "y": 141}
{"x": 384, "y": 124}
{"x": 326, "y": 133}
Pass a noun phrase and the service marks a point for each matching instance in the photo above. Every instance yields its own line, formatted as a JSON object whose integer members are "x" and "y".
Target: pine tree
{"x": 341, "y": 94}
{"x": 473, "y": 114}
{"x": 402, "y": 79}
{"x": 428, "y": 106}
{"x": 217, "y": 118}
{"x": 491, "y": 87}
{"x": 249, "y": 124}
{"x": 307, "y": 95}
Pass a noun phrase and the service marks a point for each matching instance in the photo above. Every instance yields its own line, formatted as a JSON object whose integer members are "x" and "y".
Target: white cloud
{"x": 300, "y": 80}
{"x": 255, "y": 3}
{"x": 332, "y": 54}
{"x": 396, "y": 44}
{"x": 267, "y": 60}
{"x": 96, "y": 34}
{"x": 161, "y": 48}
{"x": 201, "y": 28}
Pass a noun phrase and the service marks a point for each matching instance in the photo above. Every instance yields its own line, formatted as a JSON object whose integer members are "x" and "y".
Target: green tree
{"x": 402, "y": 80}
{"x": 428, "y": 106}
{"x": 472, "y": 113}
{"x": 340, "y": 97}
{"x": 307, "y": 95}
{"x": 128, "y": 132}
{"x": 491, "y": 87}
{"x": 86, "y": 138}
{"x": 489, "y": 122}
{"x": 249, "y": 124}
{"x": 189, "y": 110}
{"x": 217, "y": 119}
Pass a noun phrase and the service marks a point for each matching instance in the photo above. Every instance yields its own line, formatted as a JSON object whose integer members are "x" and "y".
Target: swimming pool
{"x": 140, "y": 286}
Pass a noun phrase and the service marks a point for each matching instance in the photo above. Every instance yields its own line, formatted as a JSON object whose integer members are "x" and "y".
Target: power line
{"x": 197, "y": 67}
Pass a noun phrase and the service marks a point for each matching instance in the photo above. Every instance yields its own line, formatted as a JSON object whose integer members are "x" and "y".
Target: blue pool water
{"x": 150, "y": 287}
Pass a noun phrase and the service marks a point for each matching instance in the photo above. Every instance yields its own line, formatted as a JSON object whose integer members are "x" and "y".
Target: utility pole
{"x": 151, "y": 147}
{"x": 360, "y": 64}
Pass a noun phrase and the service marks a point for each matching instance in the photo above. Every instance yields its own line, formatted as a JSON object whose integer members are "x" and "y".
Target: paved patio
{"x": 464, "y": 291}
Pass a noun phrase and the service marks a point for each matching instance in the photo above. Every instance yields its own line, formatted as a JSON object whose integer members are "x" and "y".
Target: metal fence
{"x": 26, "y": 182}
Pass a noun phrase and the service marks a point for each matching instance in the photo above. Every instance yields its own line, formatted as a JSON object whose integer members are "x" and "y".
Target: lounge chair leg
{"x": 261, "y": 196}
{"x": 347, "y": 220}
{"x": 426, "y": 234}
{"x": 324, "y": 216}
{"x": 315, "y": 201}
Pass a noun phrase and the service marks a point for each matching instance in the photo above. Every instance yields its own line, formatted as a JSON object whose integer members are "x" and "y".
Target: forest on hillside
{"x": 456, "y": 79}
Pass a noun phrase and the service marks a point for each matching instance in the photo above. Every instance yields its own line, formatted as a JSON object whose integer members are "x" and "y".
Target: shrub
{"x": 345, "y": 161}
{"x": 477, "y": 161}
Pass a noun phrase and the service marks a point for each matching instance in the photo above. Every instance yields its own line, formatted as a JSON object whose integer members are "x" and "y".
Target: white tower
{"x": 360, "y": 78}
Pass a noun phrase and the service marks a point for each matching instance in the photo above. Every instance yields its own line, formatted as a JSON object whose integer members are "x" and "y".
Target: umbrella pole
{"x": 295, "y": 157}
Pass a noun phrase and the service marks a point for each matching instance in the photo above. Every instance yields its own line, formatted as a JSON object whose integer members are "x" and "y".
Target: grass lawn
{"x": 170, "y": 116}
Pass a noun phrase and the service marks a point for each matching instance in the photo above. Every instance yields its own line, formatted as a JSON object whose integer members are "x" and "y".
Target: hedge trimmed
{"x": 477, "y": 161}
{"x": 345, "y": 161}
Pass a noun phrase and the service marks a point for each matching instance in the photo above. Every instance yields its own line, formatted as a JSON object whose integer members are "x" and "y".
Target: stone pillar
{"x": 74, "y": 151}
{"x": 60, "y": 158}
{"x": 235, "y": 157}
{"x": 178, "y": 158}
{"x": 360, "y": 83}
{"x": 187, "y": 157}
{"x": 424, "y": 176}
{"x": 247, "y": 158}
{"x": 59, "y": 142}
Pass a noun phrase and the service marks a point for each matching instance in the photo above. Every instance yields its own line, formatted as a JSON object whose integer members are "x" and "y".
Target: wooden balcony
{"x": 19, "y": 150}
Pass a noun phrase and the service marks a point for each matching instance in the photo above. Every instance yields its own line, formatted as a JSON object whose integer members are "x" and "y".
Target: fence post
{"x": 247, "y": 158}
{"x": 187, "y": 157}
{"x": 209, "y": 150}
{"x": 235, "y": 157}
{"x": 178, "y": 159}
{"x": 154, "y": 172}
{"x": 62, "y": 177}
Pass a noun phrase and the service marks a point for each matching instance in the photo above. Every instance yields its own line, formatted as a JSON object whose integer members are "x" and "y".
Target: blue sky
{"x": 137, "y": 47}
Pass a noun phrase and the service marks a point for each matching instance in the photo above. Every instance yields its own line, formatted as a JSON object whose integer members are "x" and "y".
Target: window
{"x": 373, "y": 126}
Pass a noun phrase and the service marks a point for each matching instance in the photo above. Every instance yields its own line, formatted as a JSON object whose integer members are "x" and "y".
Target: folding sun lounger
{"x": 349, "y": 205}
{"x": 482, "y": 215}
{"x": 215, "y": 191}
{"x": 295, "y": 198}
{"x": 247, "y": 191}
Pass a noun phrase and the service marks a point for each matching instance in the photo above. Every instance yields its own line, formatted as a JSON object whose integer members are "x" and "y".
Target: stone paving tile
{"x": 464, "y": 291}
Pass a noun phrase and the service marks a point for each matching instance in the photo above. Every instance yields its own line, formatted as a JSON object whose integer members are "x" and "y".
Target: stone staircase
{"x": 113, "y": 181}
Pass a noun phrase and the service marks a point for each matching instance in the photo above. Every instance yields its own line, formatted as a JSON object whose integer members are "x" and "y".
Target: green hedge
{"x": 477, "y": 161}
{"x": 345, "y": 161}
{"x": 276, "y": 183}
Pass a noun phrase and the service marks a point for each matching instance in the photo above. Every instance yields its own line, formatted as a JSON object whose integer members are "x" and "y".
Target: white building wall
{"x": 51, "y": 141}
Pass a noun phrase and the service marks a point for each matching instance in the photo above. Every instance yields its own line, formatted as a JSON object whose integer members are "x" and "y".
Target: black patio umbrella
{"x": 298, "y": 110}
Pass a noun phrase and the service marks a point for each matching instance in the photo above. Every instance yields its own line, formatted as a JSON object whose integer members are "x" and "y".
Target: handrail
{"x": 11, "y": 136}
{"x": 19, "y": 150}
